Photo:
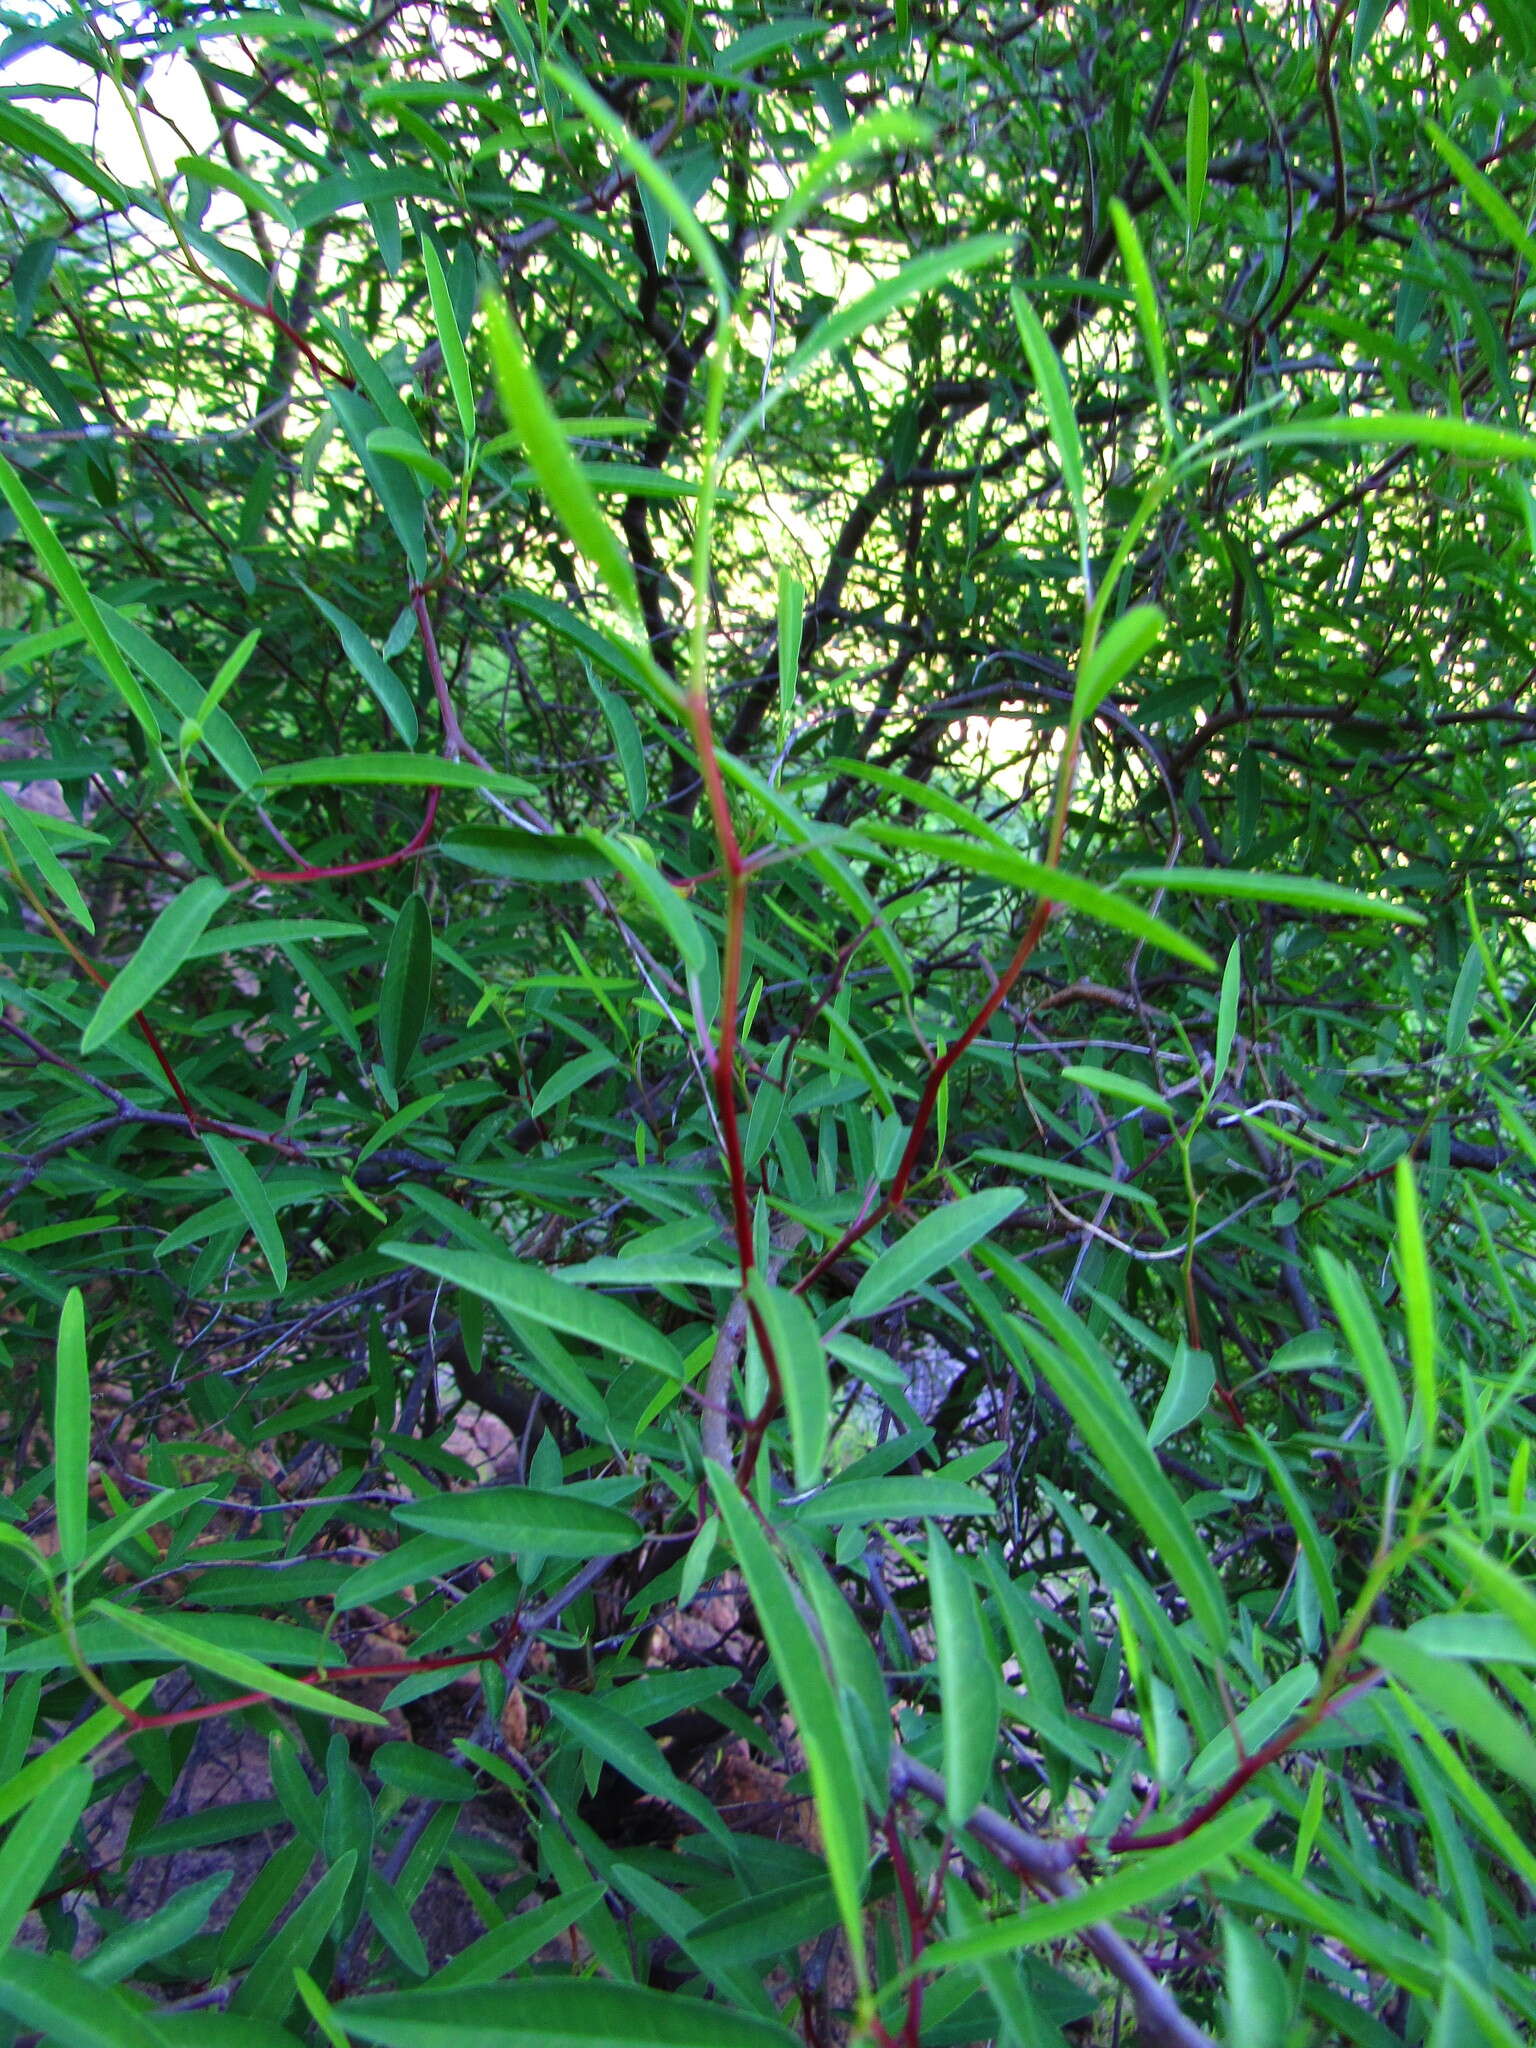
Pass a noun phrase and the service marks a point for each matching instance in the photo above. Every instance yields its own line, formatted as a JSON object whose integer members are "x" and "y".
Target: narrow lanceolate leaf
{"x": 252, "y": 1200}
{"x": 1459, "y": 1696}
{"x": 791, "y": 1331}
{"x": 449, "y": 340}
{"x": 1487, "y": 195}
{"x": 66, "y": 580}
{"x": 930, "y": 1246}
{"x": 1197, "y": 141}
{"x": 1116, "y": 653}
{"x": 1052, "y": 885}
{"x": 1418, "y": 1308}
{"x": 549, "y": 456}
{"x": 1051, "y": 383}
{"x": 393, "y": 697}
{"x": 1149, "y": 1877}
{"x": 48, "y": 1995}
{"x": 1362, "y": 1333}
{"x": 161, "y": 952}
{"x": 407, "y": 988}
{"x": 797, "y": 1658}
{"x": 414, "y": 771}
{"x": 515, "y": 1519}
{"x": 523, "y": 1289}
{"x": 71, "y": 1431}
{"x": 968, "y": 1690}
{"x": 636, "y": 1755}
{"x": 32, "y": 1851}
{"x": 233, "y": 1665}
{"x": 1148, "y": 315}
{"x": 568, "y": 2012}
{"x": 1300, "y": 892}
{"x": 1089, "y": 1388}
{"x": 791, "y": 629}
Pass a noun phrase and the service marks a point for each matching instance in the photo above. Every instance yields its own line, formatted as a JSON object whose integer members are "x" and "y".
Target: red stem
{"x": 357, "y": 867}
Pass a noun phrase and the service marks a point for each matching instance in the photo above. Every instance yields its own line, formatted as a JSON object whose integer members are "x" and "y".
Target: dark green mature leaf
{"x": 580, "y": 2013}
{"x": 518, "y": 1518}
{"x": 406, "y": 994}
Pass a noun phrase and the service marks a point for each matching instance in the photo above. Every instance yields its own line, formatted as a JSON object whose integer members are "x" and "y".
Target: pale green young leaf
{"x": 1300, "y": 892}
{"x": 1418, "y": 1311}
{"x": 72, "y": 1431}
{"x": 1113, "y": 655}
{"x": 549, "y": 456}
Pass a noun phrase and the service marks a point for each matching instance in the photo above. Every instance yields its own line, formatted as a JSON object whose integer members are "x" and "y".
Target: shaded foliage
{"x": 792, "y": 751}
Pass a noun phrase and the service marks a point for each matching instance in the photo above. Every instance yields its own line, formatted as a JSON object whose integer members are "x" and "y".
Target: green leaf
{"x": 968, "y": 1682}
{"x": 32, "y": 1851}
{"x": 1148, "y": 315}
{"x": 1090, "y": 1390}
{"x": 620, "y": 721}
{"x": 161, "y": 952}
{"x": 392, "y": 695}
{"x": 66, "y": 580}
{"x": 1051, "y": 383}
{"x": 268, "y": 1989}
{"x": 521, "y": 856}
{"x": 508, "y": 1947}
{"x": 523, "y": 1289}
{"x": 253, "y": 1201}
{"x": 449, "y": 339}
{"x": 1146, "y": 1878}
{"x": 1114, "y": 655}
{"x": 257, "y": 198}
{"x": 398, "y": 446}
{"x": 653, "y": 178}
{"x": 925, "y": 273}
{"x": 670, "y": 910}
{"x": 1486, "y": 195}
{"x": 1418, "y": 1310}
{"x": 570, "y": 1079}
{"x": 1456, "y": 1694}
{"x": 179, "y": 688}
{"x": 893, "y": 1500}
{"x": 407, "y": 989}
{"x": 1301, "y": 892}
{"x": 1050, "y": 884}
{"x": 791, "y": 626}
{"x": 568, "y": 2012}
{"x": 635, "y": 1755}
{"x": 406, "y": 771}
{"x": 507, "y": 1520}
{"x": 1197, "y": 143}
{"x": 33, "y": 1779}
{"x": 233, "y": 1665}
{"x": 72, "y": 1431}
{"x": 549, "y": 456}
{"x": 795, "y": 1341}
{"x": 1186, "y": 1396}
{"x": 1362, "y": 1333}
{"x": 50, "y": 1995}
{"x": 797, "y": 1659}
{"x": 41, "y": 140}
{"x": 935, "y": 1242}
